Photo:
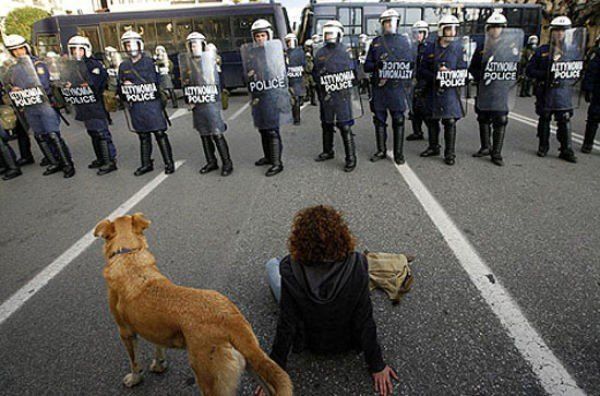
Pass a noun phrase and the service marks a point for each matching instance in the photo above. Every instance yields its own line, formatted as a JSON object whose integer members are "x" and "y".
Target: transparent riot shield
{"x": 397, "y": 66}
{"x": 497, "y": 82}
{"x": 76, "y": 87}
{"x": 337, "y": 83}
{"x": 266, "y": 77}
{"x": 23, "y": 85}
{"x": 567, "y": 53}
{"x": 451, "y": 57}
{"x": 201, "y": 91}
{"x": 296, "y": 60}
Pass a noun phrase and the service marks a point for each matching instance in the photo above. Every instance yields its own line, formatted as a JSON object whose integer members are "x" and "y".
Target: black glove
{"x": 588, "y": 96}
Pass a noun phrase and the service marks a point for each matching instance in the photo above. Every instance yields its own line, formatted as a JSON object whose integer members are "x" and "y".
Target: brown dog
{"x": 218, "y": 339}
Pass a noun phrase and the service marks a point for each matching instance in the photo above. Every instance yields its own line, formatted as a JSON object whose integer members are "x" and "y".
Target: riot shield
{"x": 497, "y": 83}
{"x": 451, "y": 57}
{"x": 22, "y": 84}
{"x": 295, "y": 71}
{"x": 397, "y": 67}
{"x": 567, "y": 54}
{"x": 266, "y": 76}
{"x": 76, "y": 88}
{"x": 201, "y": 91}
{"x": 337, "y": 83}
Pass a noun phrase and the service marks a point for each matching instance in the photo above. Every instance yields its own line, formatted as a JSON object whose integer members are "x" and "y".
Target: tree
{"x": 20, "y": 21}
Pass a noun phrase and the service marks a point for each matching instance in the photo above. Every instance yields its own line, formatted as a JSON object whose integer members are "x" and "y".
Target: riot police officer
{"x": 420, "y": 32}
{"x": 28, "y": 84}
{"x": 309, "y": 81}
{"x": 265, "y": 74}
{"x": 444, "y": 72}
{"x": 18, "y": 127}
{"x": 165, "y": 70}
{"x": 335, "y": 75}
{"x": 84, "y": 80}
{"x": 202, "y": 90}
{"x": 390, "y": 60}
{"x": 591, "y": 88}
{"x": 139, "y": 85}
{"x": 296, "y": 62}
{"x": 528, "y": 51}
{"x": 9, "y": 169}
{"x": 556, "y": 67}
{"x": 363, "y": 75}
{"x": 494, "y": 68}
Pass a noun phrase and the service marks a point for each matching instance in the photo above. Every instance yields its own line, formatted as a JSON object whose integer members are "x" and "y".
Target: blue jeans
{"x": 274, "y": 278}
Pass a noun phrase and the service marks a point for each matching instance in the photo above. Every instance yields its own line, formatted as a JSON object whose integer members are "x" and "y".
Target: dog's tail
{"x": 272, "y": 377}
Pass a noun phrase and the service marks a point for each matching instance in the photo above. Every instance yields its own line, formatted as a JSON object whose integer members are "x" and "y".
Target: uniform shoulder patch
{"x": 96, "y": 70}
{"x": 40, "y": 70}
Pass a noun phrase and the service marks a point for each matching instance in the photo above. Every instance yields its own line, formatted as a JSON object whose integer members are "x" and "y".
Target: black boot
{"x": 313, "y": 97}
{"x": 10, "y": 169}
{"x": 484, "y": 137}
{"x": 398, "y": 130}
{"x": 53, "y": 164}
{"x": 266, "y": 159}
{"x": 591, "y": 127}
{"x": 328, "y": 152}
{"x": 275, "y": 151}
{"x": 97, "y": 163}
{"x": 449, "y": 141}
{"x": 543, "y": 133}
{"x": 433, "y": 150}
{"x": 162, "y": 139}
{"x": 380, "y": 139}
{"x": 24, "y": 146}
{"x": 209, "y": 153}
{"x": 296, "y": 111}
{"x": 223, "y": 150}
{"x": 64, "y": 156}
{"x": 417, "y": 127}
{"x": 563, "y": 132}
{"x": 349, "y": 147}
{"x": 145, "y": 154}
{"x": 108, "y": 164}
{"x": 498, "y": 139}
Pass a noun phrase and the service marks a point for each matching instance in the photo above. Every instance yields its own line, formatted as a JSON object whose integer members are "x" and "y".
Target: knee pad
{"x": 449, "y": 122}
{"x": 500, "y": 120}
{"x": 483, "y": 118}
{"x": 160, "y": 134}
{"x": 398, "y": 122}
{"x": 562, "y": 117}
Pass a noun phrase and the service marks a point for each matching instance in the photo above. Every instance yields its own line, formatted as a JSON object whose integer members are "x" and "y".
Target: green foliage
{"x": 20, "y": 21}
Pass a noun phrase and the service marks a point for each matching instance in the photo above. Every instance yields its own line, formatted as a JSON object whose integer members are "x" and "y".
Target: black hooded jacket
{"x": 329, "y": 306}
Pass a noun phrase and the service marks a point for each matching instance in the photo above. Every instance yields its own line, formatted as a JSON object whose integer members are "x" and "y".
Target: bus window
{"x": 46, "y": 43}
{"x": 165, "y": 35}
{"x": 513, "y": 15}
{"x": 470, "y": 17}
{"x": 92, "y": 33}
{"x": 319, "y": 25}
{"x": 183, "y": 28}
{"x": 351, "y": 18}
{"x": 530, "y": 17}
{"x": 148, "y": 32}
{"x": 216, "y": 31}
{"x": 431, "y": 16}
{"x": 110, "y": 35}
{"x": 412, "y": 15}
{"x": 373, "y": 26}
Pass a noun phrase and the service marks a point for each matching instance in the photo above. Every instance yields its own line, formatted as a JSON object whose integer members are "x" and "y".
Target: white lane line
{"x": 304, "y": 105}
{"x": 179, "y": 113}
{"x": 20, "y": 297}
{"x": 552, "y": 375}
{"x": 240, "y": 111}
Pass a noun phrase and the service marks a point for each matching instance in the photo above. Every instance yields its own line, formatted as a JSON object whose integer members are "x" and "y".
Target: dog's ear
{"x": 104, "y": 229}
{"x": 140, "y": 223}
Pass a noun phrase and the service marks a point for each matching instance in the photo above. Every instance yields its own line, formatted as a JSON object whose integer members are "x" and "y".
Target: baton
{"x": 62, "y": 117}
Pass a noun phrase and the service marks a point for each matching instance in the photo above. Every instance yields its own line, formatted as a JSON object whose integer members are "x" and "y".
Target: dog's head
{"x": 126, "y": 232}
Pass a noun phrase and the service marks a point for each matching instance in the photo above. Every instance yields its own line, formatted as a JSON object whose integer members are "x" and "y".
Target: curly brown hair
{"x": 320, "y": 234}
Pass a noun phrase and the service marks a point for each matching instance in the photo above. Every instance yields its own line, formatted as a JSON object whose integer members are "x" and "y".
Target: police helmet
{"x": 192, "y": 40}
{"x": 262, "y": 25}
{"x": 333, "y": 32}
{"x": 79, "y": 42}
{"x": 392, "y": 16}
{"x": 291, "y": 40}
{"x": 133, "y": 38}
{"x": 14, "y": 41}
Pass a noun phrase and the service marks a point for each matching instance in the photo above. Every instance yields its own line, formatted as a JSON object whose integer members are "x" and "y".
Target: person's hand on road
{"x": 383, "y": 381}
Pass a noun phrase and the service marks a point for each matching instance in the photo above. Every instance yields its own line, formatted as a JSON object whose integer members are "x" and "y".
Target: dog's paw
{"x": 132, "y": 379}
{"x": 158, "y": 366}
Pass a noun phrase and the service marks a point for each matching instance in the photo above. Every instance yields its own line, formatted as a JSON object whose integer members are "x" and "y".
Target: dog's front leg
{"x": 159, "y": 364}
{"x": 135, "y": 377}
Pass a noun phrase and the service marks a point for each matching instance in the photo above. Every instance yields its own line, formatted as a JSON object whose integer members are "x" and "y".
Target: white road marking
{"x": 533, "y": 122}
{"x": 552, "y": 375}
{"x": 20, "y": 297}
{"x": 304, "y": 105}
{"x": 240, "y": 111}
{"x": 179, "y": 113}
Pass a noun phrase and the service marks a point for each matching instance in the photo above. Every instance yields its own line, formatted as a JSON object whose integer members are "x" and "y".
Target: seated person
{"x": 322, "y": 288}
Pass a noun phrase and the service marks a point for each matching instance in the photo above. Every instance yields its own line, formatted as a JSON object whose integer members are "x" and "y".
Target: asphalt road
{"x": 535, "y": 223}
